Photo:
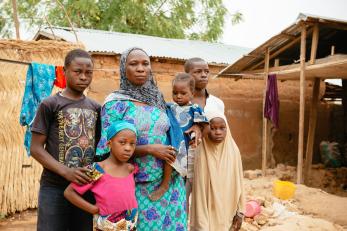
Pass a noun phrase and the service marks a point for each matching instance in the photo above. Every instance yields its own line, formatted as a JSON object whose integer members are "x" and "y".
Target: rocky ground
{"x": 309, "y": 209}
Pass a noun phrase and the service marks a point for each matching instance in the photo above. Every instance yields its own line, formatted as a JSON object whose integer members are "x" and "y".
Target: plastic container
{"x": 252, "y": 208}
{"x": 284, "y": 190}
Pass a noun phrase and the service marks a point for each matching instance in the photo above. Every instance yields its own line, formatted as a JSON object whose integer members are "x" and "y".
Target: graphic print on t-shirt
{"x": 76, "y": 136}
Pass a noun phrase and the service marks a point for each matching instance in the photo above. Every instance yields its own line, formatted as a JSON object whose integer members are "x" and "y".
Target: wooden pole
{"x": 313, "y": 108}
{"x": 332, "y": 50}
{"x": 264, "y": 144}
{"x": 271, "y": 133}
{"x": 277, "y": 63}
{"x": 15, "y": 18}
{"x": 314, "y": 45}
{"x": 302, "y": 103}
{"x": 312, "y": 129}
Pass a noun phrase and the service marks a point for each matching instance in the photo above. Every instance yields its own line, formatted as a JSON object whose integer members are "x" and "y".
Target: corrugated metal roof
{"x": 115, "y": 42}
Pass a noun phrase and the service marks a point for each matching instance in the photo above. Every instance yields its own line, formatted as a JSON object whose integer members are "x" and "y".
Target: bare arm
{"x": 160, "y": 151}
{"x": 78, "y": 201}
{"x": 197, "y": 130}
{"x": 39, "y": 153}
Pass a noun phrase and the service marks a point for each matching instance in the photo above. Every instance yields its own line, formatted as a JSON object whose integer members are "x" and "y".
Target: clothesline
{"x": 14, "y": 61}
{"x": 28, "y": 63}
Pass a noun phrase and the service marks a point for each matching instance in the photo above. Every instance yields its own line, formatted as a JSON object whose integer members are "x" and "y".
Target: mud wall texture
{"x": 243, "y": 103}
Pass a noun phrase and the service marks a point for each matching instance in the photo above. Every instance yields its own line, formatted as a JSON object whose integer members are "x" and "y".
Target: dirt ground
{"x": 25, "y": 221}
{"x": 312, "y": 209}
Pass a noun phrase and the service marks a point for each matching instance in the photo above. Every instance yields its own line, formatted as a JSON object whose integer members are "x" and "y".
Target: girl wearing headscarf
{"x": 140, "y": 102}
{"x": 217, "y": 196}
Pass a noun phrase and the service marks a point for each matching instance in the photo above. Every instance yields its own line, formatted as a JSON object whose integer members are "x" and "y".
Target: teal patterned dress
{"x": 168, "y": 213}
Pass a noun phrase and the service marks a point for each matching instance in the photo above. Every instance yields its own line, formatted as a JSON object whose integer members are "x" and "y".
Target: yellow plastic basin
{"x": 283, "y": 190}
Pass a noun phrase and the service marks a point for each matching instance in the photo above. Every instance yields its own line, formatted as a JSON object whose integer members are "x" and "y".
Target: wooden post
{"x": 312, "y": 128}
{"x": 15, "y": 18}
{"x": 314, "y": 45}
{"x": 313, "y": 108}
{"x": 332, "y": 50}
{"x": 271, "y": 134}
{"x": 302, "y": 103}
{"x": 264, "y": 144}
{"x": 277, "y": 62}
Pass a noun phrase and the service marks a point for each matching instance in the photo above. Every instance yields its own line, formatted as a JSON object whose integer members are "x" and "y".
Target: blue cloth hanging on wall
{"x": 39, "y": 84}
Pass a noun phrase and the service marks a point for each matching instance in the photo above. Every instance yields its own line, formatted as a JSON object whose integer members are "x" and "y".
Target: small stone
{"x": 248, "y": 227}
{"x": 261, "y": 219}
{"x": 273, "y": 222}
{"x": 281, "y": 167}
{"x": 270, "y": 172}
{"x": 258, "y": 172}
{"x": 260, "y": 200}
{"x": 268, "y": 212}
{"x": 267, "y": 204}
{"x": 291, "y": 168}
{"x": 248, "y": 220}
{"x": 250, "y": 174}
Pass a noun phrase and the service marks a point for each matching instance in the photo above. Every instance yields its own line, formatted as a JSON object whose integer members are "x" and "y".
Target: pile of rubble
{"x": 277, "y": 214}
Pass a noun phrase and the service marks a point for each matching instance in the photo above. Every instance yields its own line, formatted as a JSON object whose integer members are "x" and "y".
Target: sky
{"x": 266, "y": 18}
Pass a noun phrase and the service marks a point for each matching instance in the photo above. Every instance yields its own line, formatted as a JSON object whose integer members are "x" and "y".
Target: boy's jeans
{"x": 55, "y": 213}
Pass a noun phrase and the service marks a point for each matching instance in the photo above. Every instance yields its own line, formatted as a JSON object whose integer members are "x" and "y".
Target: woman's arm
{"x": 160, "y": 151}
{"x": 71, "y": 195}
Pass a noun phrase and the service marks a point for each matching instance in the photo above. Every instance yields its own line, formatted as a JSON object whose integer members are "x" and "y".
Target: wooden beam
{"x": 325, "y": 68}
{"x": 15, "y": 18}
{"x": 280, "y": 50}
{"x": 302, "y": 103}
{"x": 254, "y": 56}
{"x": 314, "y": 45}
{"x": 287, "y": 35}
{"x": 311, "y": 129}
{"x": 264, "y": 144}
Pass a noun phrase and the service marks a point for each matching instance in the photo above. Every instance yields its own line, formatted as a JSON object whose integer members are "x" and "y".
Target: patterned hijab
{"x": 147, "y": 93}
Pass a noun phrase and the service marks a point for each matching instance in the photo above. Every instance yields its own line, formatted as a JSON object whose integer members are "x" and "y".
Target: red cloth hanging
{"x": 60, "y": 80}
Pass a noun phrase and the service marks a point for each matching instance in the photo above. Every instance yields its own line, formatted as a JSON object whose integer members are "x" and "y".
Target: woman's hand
{"x": 237, "y": 222}
{"x": 163, "y": 152}
{"x": 77, "y": 175}
{"x": 197, "y": 130}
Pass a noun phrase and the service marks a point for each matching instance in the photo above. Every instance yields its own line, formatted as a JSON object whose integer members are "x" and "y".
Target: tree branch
{"x": 161, "y": 5}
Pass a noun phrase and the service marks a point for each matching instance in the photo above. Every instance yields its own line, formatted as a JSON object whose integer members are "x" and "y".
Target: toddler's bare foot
{"x": 157, "y": 194}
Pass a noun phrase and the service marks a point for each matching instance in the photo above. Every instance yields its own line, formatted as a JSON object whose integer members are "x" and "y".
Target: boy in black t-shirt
{"x": 64, "y": 135}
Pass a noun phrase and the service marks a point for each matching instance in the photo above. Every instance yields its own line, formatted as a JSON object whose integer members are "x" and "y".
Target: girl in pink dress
{"x": 113, "y": 183}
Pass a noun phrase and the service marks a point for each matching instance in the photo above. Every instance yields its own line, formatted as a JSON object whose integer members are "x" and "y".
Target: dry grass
{"x": 19, "y": 174}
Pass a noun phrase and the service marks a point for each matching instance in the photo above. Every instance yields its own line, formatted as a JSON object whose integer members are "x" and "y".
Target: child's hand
{"x": 77, "y": 175}
{"x": 192, "y": 143}
{"x": 196, "y": 129}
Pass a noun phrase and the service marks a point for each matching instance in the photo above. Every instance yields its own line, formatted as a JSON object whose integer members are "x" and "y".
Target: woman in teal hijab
{"x": 140, "y": 102}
